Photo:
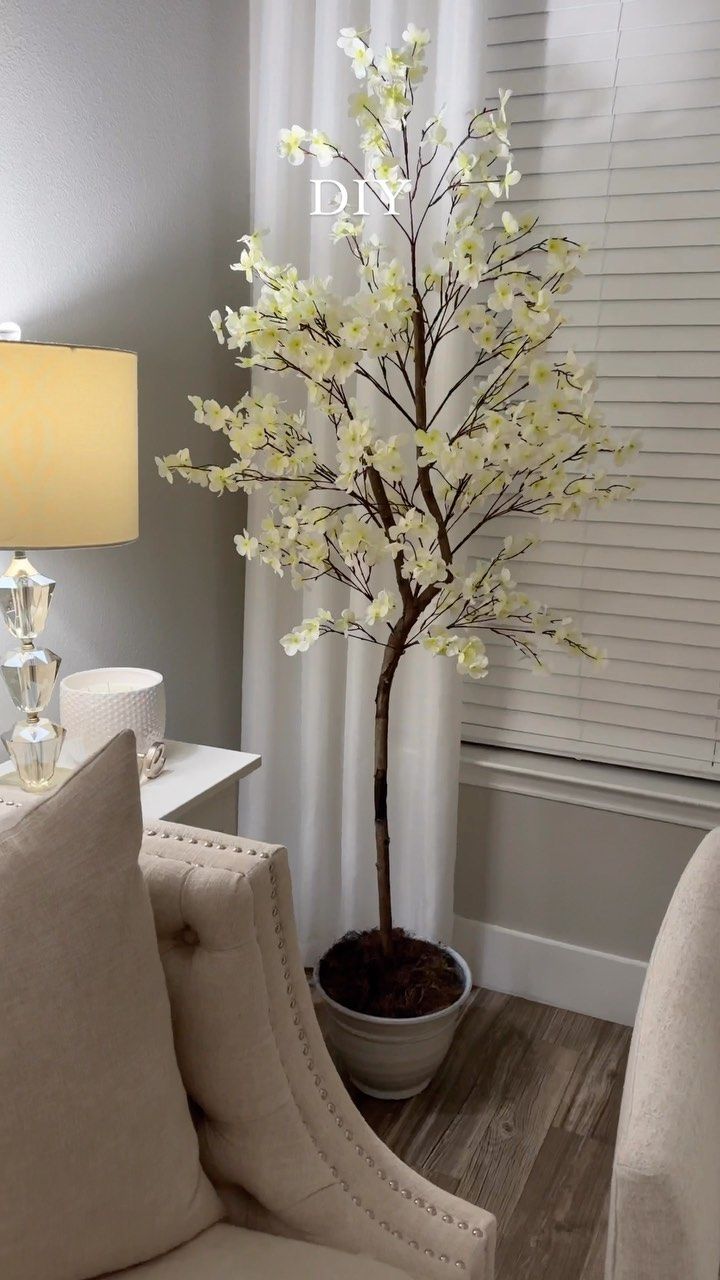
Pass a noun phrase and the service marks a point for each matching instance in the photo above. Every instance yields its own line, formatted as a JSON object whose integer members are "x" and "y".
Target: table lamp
{"x": 68, "y": 478}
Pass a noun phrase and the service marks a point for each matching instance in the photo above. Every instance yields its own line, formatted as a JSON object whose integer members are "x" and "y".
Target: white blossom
{"x": 246, "y": 545}
{"x": 384, "y": 603}
{"x": 290, "y": 144}
{"x": 394, "y": 495}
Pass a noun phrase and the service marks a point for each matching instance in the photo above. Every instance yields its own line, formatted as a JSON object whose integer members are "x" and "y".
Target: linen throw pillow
{"x": 99, "y": 1164}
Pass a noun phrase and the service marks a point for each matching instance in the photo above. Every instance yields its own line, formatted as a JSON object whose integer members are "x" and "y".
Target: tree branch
{"x": 424, "y": 477}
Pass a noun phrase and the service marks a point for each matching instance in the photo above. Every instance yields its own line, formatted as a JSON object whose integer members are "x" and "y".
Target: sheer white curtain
{"x": 311, "y": 715}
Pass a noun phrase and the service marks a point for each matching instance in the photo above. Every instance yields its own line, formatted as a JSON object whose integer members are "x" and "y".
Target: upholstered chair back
{"x": 279, "y": 1136}
{"x": 665, "y": 1200}
{"x": 220, "y": 949}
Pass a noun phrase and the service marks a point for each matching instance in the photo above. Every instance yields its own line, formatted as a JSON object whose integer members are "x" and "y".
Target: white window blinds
{"x": 616, "y": 130}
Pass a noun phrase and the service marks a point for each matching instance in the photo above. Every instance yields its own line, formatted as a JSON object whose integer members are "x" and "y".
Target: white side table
{"x": 198, "y": 785}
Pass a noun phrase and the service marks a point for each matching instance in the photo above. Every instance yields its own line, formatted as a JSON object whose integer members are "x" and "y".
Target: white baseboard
{"x": 557, "y": 973}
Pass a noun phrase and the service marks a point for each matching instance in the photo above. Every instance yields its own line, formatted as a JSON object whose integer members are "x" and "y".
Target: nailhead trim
{"x": 182, "y": 839}
{"x": 189, "y": 862}
{"x": 193, "y": 840}
{"x": 11, "y": 804}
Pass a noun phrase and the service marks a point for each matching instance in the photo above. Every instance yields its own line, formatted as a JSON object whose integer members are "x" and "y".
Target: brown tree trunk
{"x": 414, "y": 606}
{"x": 382, "y": 830}
{"x": 393, "y": 652}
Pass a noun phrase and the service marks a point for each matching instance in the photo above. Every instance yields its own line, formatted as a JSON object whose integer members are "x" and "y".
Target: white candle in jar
{"x": 96, "y": 705}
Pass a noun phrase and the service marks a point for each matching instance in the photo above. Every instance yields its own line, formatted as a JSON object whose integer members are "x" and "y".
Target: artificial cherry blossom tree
{"x": 390, "y": 514}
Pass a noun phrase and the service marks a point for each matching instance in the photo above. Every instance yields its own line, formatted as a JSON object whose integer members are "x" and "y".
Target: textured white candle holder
{"x": 95, "y": 705}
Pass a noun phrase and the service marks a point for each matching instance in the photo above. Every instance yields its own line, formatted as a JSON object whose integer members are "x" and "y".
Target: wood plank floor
{"x": 521, "y": 1119}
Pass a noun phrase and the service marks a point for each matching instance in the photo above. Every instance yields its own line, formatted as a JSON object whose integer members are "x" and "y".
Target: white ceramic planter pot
{"x": 394, "y": 1057}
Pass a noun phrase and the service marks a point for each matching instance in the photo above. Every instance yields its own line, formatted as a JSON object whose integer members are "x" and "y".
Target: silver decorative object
{"x": 154, "y": 760}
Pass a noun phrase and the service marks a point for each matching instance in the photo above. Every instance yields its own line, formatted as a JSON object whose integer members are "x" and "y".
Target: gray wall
{"x": 593, "y": 878}
{"x": 123, "y": 176}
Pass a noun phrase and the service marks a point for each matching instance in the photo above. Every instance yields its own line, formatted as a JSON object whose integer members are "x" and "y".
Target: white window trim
{"x": 663, "y": 797}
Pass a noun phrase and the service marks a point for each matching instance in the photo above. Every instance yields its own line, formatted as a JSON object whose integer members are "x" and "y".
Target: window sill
{"x": 688, "y": 802}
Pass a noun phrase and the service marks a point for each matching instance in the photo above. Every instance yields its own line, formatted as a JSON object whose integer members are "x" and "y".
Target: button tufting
{"x": 190, "y": 936}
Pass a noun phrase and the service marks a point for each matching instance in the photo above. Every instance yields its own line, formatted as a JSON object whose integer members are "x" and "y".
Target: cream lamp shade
{"x": 68, "y": 446}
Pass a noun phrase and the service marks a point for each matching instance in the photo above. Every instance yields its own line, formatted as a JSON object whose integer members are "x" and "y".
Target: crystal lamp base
{"x": 29, "y": 674}
{"x": 34, "y": 746}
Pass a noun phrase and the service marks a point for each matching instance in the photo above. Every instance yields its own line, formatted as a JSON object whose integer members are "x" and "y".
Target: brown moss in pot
{"x": 416, "y": 977}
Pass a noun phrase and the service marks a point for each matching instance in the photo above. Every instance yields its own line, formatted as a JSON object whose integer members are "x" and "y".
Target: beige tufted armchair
{"x": 279, "y": 1136}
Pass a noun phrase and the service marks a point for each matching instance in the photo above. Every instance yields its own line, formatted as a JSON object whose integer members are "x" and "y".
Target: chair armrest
{"x": 276, "y": 1118}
